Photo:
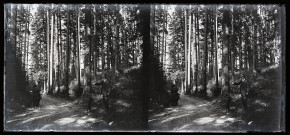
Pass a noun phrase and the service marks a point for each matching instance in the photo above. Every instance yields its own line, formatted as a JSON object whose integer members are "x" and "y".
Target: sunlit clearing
{"x": 204, "y": 120}
{"x": 35, "y": 118}
{"x": 166, "y": 113}
{"x": 45, "y": 127}
{"x": 64, "y": 105}
{"x": 24, "y": 114}
{"x": 202, "y": 105}
{"x": 64, "y": 121}
{"x": 51, "y": 107}
{"x": 189, "y": 107}
{"x": 177, "y": 117}
{"x": 185, "y": 127}
{"x": 161, "y": 114}
{"x": 152, "y": 120}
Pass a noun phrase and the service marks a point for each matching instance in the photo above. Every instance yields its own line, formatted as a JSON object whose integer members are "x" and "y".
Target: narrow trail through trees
{"x": 195, "y": 114}
{"x": 55, "y": 114}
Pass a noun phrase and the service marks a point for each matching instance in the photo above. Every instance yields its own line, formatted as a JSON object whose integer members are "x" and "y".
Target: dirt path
{"x": 195, "y": 115}
{"x": 54, "y": 114}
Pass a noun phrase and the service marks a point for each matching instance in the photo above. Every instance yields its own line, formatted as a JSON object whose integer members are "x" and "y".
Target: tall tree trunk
{"x": 232, "y": 43}
{"x": 212, "y": 70}
{"x": 58, "y": 50}
{"x": 24, "y": 49}
{"x": 165, "y": 48}
{"x": 196, "y": 52}
{"x": 255, "y": 41}
{"x": 96, "y": 40}
{"x": 78, "y": 49}
{"x": 193, "y": 56}
{"x": 188, "y": 53}
{"x": 225, "y": 83}
{"x": 148, "y": 47}
{"x": 116, "y": 40}
{"x": 48, "y": 51}
{"x": 198, "y": 68}
{"x": 27, "y": 50}
{"x": 205, "y": 54}
{"x": 90, "y": 51}
{"x": 102, "y": 44}
{"x": 240, "y": 48}
{"x": 216, "y": 50}
{"x": 50, "y": 91}
{"x": 66, "y": 93}
{"x": 15, "y": 27}
{"x": 163, "y": 39}
{"x": 185, "y": 45}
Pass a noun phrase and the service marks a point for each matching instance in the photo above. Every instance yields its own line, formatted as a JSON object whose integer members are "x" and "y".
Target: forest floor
{"x": 194, "y": 114}
{"x": 54, "y": 114}
{"x": 59, "y": 114}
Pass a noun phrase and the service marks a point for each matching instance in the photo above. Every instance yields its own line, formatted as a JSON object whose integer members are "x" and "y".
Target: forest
{"x": 108, "y": 67}
{"x": 204, "y": 49}
{"x": 65, "y": 49}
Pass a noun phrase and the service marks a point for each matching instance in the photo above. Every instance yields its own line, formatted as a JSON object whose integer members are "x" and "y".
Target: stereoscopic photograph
{"x": 144, "y": 68}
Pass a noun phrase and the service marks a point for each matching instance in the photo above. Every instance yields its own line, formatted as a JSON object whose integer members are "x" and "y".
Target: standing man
{"x": 243, "y": 89}
{"x": 36, "y": 95}
{"x": 174, "y": 95}
{"x": 105, "y": 90}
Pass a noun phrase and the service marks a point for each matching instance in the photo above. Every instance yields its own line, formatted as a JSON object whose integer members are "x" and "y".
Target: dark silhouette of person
{"x": 90, "y": 101}
{"x": 36, "y": 95}
{"x": 243, "y": 90}
{"x": 174, "y": 95}
{"x": 105, "y": 90}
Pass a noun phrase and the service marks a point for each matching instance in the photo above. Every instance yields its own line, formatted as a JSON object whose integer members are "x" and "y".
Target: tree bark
{"x": 216, "y": 49}
{"x": 78, "y": 49}
{"x": 205, "y": 55}
{"x": 66, "y": 92}
{"x": 188, "y": 53}
{"x": 185, "y": 48}
{"x": 48, "y": 51}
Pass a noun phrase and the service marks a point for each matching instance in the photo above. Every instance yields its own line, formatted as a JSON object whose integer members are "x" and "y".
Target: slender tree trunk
{"x": 66, "y": 93}
{"x": 103, "y": 45}
{"x": 15, "y": 27}
{"x": 96, "y": 40}
{"x": 216, "y": 50}
{"x": 193, "y": 59}
{"x": 78, "y": 49}
{"x": 205, "y": 54}
{"x": 225, "y": 83}
{"x": 232, "y": 43}
{"x": 163, "y": 39}
{"x": 188, "y": 53}
{"x": 116, "y": 41}
{"x": 196, "y": 51}
{"x": 58, "y": 50}
{"x": 48, "y": 51}
{"x": 185, "y": 45}
{"x": 240, "y": 49}
{"x": 24, "y": 49}
{"x": 27, "y": 50}
{"x": 255, "y": 41}
{"x": 90, "y": 51}
{"x": 50, "y": 91}
{"x": 198, "y": 68}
